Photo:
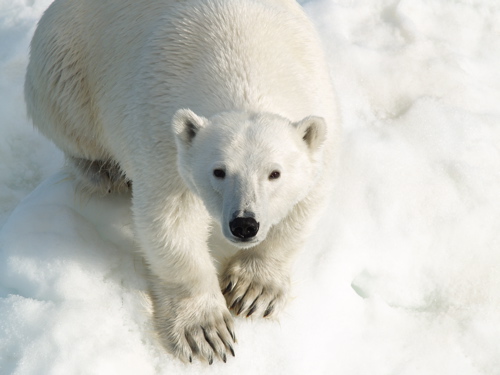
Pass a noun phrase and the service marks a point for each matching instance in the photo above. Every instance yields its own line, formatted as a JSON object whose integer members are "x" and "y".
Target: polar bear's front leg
{"x": 189, "y": 311}
{"x": 256, "y": 281}
{"x": 191, "y": 325}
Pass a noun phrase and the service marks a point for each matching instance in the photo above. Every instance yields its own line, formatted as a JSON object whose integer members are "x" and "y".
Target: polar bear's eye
{"x": 219, "y": 173}
{"x": 274, "y": 175}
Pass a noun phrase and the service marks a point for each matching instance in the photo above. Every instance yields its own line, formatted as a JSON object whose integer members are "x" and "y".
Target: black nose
{"x": 244, "y": 227}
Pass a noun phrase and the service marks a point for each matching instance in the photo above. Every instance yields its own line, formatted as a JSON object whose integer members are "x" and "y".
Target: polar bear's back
{"x": 245, "y": 55}
{"x": 101, "y": 69}
{"x": 78, "y": 54}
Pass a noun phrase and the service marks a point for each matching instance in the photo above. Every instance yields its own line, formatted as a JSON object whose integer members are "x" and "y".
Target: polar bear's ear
{"x": 186, "y": 124}
{"x": 312, "y": 129}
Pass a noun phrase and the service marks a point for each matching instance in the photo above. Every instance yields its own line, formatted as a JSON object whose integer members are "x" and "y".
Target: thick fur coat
{"x": 220, "y": 115}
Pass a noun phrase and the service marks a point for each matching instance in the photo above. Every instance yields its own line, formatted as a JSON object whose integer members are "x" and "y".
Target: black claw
{"x": 190, "y": 359}
{"x": 224, "y": 358}
{"x": 231, "y": 350}
{"x": 210, "y": 360}
{"x": 236, "y": 301}
{"x": 240, "y": 310}
{"x": 252, "y": 309}
{"x": 229, "y": 287}
{"x": 268, "y": 311}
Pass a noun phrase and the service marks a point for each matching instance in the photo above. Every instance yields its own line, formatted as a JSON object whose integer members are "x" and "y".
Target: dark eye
{"x": 274, "y": 175}
{"x": 219, "y": 173}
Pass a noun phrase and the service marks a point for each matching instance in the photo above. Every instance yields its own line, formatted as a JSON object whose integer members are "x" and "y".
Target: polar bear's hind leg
{"x": 97, "y": 176}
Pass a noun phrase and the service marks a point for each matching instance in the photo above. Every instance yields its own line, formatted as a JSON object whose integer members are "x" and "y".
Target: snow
{"x": 401, "y": 275}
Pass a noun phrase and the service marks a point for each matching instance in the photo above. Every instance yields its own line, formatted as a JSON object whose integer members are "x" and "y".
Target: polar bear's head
{"x": 249, "y": 169}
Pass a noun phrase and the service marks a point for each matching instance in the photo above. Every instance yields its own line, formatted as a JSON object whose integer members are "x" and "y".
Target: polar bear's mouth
{"x": 244, "y": 240}
{"x": 244, "y": 243}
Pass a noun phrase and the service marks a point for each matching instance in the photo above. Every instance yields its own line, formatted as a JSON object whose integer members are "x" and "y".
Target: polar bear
{"x": 220, "y": 116}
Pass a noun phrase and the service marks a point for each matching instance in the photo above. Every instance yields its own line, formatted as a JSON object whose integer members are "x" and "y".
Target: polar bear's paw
{"x": 194, "y": 327}
{"x": 98, "y": 177}
{"x": 254, "y": 287}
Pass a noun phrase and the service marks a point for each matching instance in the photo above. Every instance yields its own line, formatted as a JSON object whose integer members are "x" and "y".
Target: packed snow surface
{"x": 402, "y": 275}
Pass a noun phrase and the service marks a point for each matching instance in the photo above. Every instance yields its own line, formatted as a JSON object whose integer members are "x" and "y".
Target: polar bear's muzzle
{"x": 244, "y": 228}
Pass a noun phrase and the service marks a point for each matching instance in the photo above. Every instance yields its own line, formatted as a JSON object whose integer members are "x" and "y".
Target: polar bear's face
{"x": 249, "y": 170}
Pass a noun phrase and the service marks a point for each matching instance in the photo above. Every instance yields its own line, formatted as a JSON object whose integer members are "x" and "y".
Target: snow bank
{"x": 401, "y": 276}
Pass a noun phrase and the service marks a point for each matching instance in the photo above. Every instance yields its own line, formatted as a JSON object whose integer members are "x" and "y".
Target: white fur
{"x": 161, "y": 93}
